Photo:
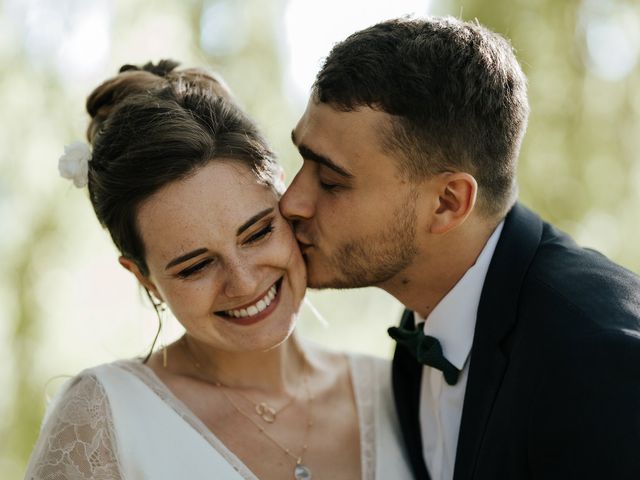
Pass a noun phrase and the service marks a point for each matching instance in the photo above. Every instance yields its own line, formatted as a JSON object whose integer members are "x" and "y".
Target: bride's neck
{"x": 277, "y": 370}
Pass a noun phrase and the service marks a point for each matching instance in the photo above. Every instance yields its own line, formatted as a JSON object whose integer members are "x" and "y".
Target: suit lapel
{"x": 496, "y": 317}
{"x": 407, "y": 375}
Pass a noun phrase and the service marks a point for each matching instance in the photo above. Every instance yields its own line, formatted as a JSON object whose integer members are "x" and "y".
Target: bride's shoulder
{"x": 86, "y": 387}
{"x": 321, "y": 357}
{"x": 78, "y": 415}
{"x": 370, "y": 368}
{"x": 374, "y": 361}
{"x": 349, "y": 363}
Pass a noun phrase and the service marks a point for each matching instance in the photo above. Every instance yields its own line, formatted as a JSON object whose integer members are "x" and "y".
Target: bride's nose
{"x": 241, "y": 279}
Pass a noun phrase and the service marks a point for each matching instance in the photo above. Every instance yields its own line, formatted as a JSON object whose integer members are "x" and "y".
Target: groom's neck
{"x": 442, "y": 260}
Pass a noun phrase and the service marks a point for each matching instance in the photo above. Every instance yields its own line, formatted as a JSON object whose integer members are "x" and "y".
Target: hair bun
{"x": 150, "y": 78}
{"x": 161, "y": 69}
{"x": 131, "y": 80}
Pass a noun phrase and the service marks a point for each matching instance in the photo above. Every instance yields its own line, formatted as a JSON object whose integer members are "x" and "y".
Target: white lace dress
{"x": 118, "y": 421}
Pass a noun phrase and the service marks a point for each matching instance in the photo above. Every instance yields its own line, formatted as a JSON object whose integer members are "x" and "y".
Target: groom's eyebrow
{"x": 309, "y": 154}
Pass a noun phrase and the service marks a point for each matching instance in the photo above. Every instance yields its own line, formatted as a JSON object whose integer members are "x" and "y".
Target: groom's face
{"x": 354, "y": 213}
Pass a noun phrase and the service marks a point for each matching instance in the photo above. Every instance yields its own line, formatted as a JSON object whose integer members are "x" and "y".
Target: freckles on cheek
{"x": 187, "y": 297}
{"x": 291, "y": 252}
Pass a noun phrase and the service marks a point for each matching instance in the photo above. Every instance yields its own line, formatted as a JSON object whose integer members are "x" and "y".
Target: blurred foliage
{"x": 62, "y": 306}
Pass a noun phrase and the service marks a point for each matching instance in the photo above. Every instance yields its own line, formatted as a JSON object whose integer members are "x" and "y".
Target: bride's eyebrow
{"x": 253, "y": 220}
{"x": 185, "y": 257}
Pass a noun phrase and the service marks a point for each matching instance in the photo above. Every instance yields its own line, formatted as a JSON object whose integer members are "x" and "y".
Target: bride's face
{"x": 223, "y": 258}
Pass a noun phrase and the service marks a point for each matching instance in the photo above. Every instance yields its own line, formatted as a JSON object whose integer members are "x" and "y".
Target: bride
{"x": 188, "y": 190}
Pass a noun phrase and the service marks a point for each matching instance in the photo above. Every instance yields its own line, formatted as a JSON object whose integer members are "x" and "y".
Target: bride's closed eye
{"x": 193, "y": 269}
{"x": 260, "y": 234}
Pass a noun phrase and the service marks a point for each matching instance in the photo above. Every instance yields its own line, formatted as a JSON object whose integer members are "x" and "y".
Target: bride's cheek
{"x": 283, "y": 244}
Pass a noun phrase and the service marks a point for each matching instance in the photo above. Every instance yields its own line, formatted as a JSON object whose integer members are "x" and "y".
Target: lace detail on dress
{"x": 363, "y": 379}
{"x": 77, "y": 439}
{"x": 151, "y": 380}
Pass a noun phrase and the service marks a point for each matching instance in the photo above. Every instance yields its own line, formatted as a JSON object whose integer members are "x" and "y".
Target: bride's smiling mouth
{"x": 257, "y": 310}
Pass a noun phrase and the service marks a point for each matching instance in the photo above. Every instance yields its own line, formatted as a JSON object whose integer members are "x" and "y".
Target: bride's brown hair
{"x": 153, "y": 125}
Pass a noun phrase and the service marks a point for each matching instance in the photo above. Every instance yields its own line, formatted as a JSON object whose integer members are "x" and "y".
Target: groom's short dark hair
{"x": 456, "y": 91}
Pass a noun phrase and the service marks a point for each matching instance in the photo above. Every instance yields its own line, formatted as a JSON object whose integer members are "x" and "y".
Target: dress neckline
{"x": 361, "y": 376}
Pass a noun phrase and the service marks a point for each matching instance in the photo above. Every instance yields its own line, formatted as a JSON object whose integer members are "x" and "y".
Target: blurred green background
{"x": 65, "y": 302}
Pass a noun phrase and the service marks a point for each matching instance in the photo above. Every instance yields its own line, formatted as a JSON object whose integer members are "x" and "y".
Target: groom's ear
{"x": 457, "y": 193}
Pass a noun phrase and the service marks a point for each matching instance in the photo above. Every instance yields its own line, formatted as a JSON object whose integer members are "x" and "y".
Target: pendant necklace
{"x": 268, "y": 414}
{"x": 300, "y": 471}
{"x": 265, "y": 411}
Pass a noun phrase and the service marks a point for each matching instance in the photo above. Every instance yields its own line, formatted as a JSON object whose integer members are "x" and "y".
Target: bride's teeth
{"x": 257, "y": 307}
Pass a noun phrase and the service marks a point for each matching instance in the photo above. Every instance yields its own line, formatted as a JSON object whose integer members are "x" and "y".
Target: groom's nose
{"x": 298, "y": 202}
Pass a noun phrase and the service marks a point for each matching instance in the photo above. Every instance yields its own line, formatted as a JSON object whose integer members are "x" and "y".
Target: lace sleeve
{"x": 77, "y": 440}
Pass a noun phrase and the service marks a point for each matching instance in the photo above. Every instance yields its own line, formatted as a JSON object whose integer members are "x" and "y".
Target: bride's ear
{"x": 457, "y": 193}
{"x": 144, "y": 280}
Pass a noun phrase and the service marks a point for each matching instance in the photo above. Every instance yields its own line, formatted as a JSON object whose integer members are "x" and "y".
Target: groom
{"x": 519, "y": 352}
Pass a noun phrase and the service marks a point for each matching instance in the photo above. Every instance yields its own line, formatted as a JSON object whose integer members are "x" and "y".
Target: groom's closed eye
{"x": 308, "y": 154}
{"x": 329, "y": 180}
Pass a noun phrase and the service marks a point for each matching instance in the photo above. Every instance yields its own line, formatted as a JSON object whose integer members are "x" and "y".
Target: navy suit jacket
{"x": 553, "y": 390}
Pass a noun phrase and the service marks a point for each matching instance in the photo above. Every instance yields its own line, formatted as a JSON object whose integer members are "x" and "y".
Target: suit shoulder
{"x": 577, "y": 281}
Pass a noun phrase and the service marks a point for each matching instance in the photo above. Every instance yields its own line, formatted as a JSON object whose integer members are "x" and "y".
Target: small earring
{"x": 162, "y": 308}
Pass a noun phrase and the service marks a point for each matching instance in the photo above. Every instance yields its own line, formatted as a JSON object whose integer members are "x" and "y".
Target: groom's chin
{"x": 317, "y": 277}
{"x": 322, "y": 272}
{"x": 315, "y": 280}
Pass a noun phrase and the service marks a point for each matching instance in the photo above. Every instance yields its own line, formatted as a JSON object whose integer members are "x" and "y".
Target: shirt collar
{"x": 453, "y": 320}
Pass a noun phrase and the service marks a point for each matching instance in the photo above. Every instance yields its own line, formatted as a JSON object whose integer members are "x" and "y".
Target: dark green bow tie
{"x": 426, "y": 350}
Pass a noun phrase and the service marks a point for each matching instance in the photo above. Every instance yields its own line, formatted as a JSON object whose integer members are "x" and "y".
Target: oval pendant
{"x": 302, "y": 472}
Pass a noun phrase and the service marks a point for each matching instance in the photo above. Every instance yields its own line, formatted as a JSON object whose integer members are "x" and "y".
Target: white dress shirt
{"x": 453, "y": 323}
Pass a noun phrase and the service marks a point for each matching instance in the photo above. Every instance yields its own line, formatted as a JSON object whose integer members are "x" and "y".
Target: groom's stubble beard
{"x": 375, "y": 258}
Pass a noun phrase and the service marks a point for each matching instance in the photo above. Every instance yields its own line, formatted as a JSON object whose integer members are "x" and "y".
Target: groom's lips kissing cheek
{"x": 304, "y": 246}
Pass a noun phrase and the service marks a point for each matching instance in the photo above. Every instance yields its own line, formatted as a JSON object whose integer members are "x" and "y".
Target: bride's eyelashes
{"x": 189, "y": 271}
{"x": 260, "y": 234}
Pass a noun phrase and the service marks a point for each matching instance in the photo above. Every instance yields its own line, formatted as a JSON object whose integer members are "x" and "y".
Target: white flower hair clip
{"x": 74, "y": 164}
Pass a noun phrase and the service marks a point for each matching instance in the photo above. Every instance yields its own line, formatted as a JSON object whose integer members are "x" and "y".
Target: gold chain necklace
{"x": 300, "y": 471}
{"x": 265, "y": 411}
